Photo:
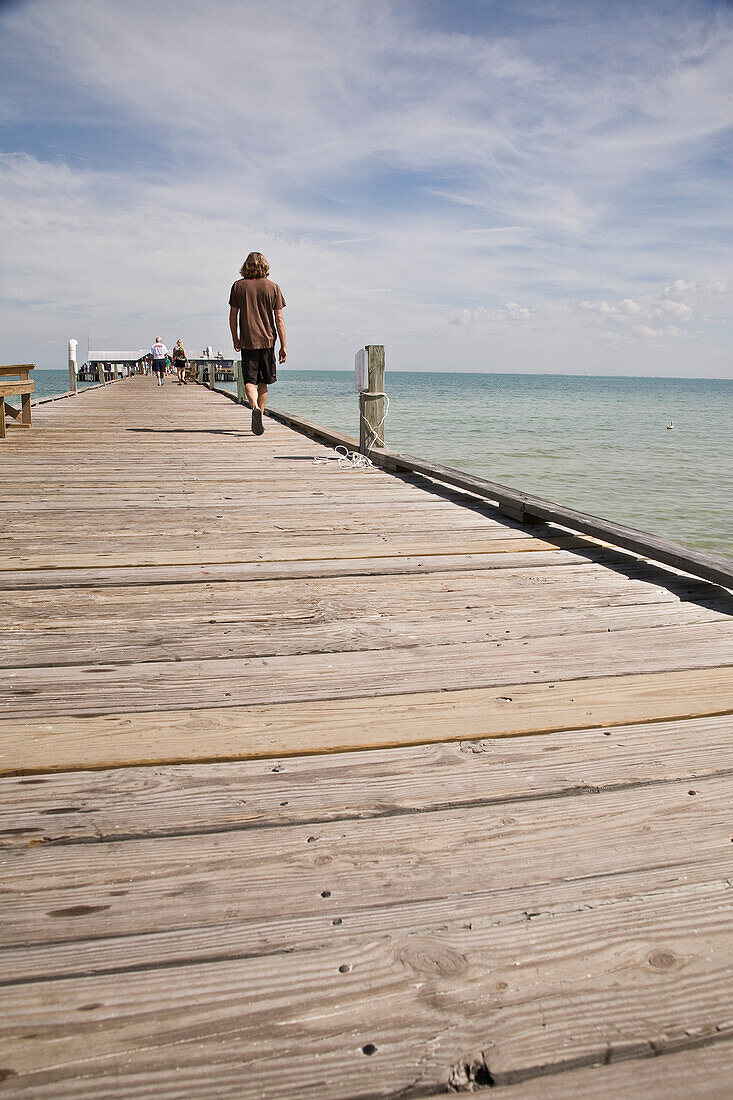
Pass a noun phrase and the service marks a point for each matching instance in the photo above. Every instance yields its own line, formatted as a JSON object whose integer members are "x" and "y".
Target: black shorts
{"x": 258, "y": 366}
{"x": 159, "y": 366}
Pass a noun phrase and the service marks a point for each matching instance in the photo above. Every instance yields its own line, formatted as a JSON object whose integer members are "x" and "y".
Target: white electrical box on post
{"x": 361, "y": 370}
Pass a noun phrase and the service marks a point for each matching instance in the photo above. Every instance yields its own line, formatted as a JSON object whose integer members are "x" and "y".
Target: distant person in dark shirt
{"x": 256, "y": 320}
{"x": 180, "y": 360}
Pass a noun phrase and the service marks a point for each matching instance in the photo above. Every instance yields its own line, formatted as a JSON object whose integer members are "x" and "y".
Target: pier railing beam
{"x": 371, "y": 402}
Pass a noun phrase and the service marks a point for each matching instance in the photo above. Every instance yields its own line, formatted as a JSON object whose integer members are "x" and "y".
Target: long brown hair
{"x": 254, "y": 267}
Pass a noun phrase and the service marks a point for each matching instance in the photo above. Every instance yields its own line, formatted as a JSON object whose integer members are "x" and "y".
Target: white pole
{"x": 72, "y": 365}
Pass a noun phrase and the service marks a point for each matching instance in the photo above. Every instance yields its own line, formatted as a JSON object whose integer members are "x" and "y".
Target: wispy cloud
{"x": 529, "y": 177}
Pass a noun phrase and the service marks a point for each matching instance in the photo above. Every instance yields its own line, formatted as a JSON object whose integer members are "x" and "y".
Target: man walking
{"x": 255, "y": 318}
{"x": 159, "y": 353}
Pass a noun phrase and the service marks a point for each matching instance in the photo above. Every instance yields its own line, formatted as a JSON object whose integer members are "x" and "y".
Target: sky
{"x": 479, "y": 185}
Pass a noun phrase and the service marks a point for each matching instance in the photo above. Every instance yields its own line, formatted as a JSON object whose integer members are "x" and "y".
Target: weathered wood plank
{"x": 133, "y": 544}
{"x": 167, "y": 573}
{"x": 32, "y": 745}
{"x": 93, "y": 688}
{"x": 292, "y": 634}
{"x": 508, "y": 593}
{"x": 418, "y": 1004}
{"x": 133, "y": 802}
{"x": 238, "y": 523}
{"x": 15, "y": 368}
{"x": 277, "y": 551}
{"x": 244, "y": 936}
{"x": 703, "y": 1071}
{"x": 10, "y": 389}
{"x": 63, "y": 891}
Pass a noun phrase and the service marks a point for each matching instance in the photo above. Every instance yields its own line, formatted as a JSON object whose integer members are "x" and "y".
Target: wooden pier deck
{"x": 331, "y": 784}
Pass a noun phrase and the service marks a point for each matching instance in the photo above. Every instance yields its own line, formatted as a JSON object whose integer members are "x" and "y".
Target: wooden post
{"x": 25, "y": 399}
{"x": 239, "y": 375}
{"x": 72, "y": 365}
{"x": 371, "y": 403}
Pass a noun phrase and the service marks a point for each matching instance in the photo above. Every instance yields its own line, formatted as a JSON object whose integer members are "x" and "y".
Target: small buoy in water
{"x": 670, "y": 425}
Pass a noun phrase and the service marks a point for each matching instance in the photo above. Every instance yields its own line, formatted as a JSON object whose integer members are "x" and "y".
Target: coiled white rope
{"x": 355, "y": 460}
{"x": 347, "y": 460}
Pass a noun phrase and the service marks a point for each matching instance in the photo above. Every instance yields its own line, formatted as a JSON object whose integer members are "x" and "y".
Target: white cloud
{"x": 645, "y": 330}
{"x": 638, "y": 314}
{"x": 516, "y": 312}
{"x": 481, "y": 316}
{"x": 679, "y": 287}
{"x": 676, "y": 309}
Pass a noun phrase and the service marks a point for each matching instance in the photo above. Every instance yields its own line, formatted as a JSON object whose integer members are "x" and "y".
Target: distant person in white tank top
{"x": 159, "y": 353}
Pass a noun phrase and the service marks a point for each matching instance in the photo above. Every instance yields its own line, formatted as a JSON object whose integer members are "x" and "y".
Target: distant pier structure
{"x": 210, "y": 367}
{"x": 108, "y": 366}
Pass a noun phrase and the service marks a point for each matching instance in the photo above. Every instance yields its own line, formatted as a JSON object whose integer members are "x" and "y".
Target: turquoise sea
{"x": 598, "y": 444}
{"x": 50, "y": 382}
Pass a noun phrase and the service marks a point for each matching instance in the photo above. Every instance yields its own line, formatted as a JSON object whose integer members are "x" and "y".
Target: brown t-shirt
{"x": 256, "y": 300}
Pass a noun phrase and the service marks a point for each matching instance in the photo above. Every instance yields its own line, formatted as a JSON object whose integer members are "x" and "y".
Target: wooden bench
{"x": 10, "y": 387}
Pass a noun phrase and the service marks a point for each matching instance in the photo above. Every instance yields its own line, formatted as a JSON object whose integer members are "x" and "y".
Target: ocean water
{"x": 597, "y": 444}
{"x": 50, "y": 382}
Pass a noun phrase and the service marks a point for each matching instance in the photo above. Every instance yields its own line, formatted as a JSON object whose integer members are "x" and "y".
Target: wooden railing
{"x": 12, "y": 386}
